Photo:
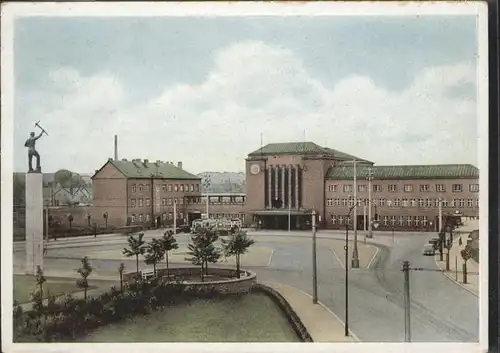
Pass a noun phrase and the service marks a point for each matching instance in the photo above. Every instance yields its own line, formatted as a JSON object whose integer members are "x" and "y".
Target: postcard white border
{"x": 11, "y": 11}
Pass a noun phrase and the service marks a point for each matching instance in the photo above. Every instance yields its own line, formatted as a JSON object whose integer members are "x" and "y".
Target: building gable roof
{"x": 301, "y": 148}
{"x": 408, "y": 172}
{"x": 138, "y": 169}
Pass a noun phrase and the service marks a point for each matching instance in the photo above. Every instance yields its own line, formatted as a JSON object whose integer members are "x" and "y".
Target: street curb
{"x": 452, "y": 279}
{"x": 356, "y": 338}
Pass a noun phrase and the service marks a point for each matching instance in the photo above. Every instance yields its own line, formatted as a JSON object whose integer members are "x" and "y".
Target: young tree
{"x": 105, "y": 216}
{"x": 168, "y": 243}
{"x": 203, "y": 250}
{"x": 120, "y": 272}
{"x": 40, "y": 279}
{"x": 236, "y": 246}
{"x": 154, "y": 253}
{"x": 136, "y": 247}
{"x": 84, "y": 271}
{"x": 70, "y": 220}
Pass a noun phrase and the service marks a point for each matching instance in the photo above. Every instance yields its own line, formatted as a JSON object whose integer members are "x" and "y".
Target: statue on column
{"x": 32, "y": 152}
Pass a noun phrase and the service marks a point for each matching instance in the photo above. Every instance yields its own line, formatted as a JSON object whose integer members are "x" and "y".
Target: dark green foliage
{"x": 237, "y": 244}
{"x": 154, "y": 253}
{"x": 168, "y": 243}
{"x": 136, "y": 247}
{"x": 202, "y": 249}
{"x": 84, "y": 271}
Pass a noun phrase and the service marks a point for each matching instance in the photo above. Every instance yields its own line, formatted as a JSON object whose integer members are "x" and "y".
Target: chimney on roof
{"x": 179, "y": 165}
{"x": 110, "y": 159}
{"x": 124, "y": 159}
{"x": 158, "y": 162}
{"x": 116, "y": 147}
{"x": 146, "y": 161}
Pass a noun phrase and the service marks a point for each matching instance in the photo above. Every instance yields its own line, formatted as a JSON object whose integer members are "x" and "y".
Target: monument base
{"x": 34, "y": 222}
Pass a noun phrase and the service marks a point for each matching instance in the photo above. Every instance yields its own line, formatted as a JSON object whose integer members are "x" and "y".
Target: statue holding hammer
{"x": 32, "y": 152}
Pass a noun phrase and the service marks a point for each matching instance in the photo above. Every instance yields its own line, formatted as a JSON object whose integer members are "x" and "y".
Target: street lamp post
{"x": 355, "y": 258}
{"x": 346, "y": 266}
{"x": 370, "y": 177}
{"x": 315, "y": 273}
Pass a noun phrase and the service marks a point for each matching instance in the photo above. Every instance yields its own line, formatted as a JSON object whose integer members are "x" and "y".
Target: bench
{"x": 147, "y": 274}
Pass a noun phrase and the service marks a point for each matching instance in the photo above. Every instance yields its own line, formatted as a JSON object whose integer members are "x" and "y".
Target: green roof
{"x": 140, "y": 170}
{"x": 301, "y": 148}
{"x": 440, "y": 171}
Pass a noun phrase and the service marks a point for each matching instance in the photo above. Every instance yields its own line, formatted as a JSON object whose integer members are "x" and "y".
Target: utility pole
{"x": 355, "y": 258}
{"x": 315, "y": 274}
{"x": 370, "y": 177}
{"x": 406, "y": 271}
{"x": 346, "y": 288}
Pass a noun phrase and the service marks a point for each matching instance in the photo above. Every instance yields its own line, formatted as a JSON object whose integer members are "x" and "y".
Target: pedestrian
{"x": 95, "y": 230}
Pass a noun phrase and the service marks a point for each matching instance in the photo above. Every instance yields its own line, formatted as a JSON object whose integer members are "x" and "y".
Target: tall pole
{"x": 440, "y": 214}
{"x": 406, "y": 270}
{"x": 346, "y": 261}
{"x": 370, "y": 176}
{"x": 364, "y": 218}
{"x": 175, "y": 216}
{"x": 315, "y": 274}
{"x": 355, "y": 258}
{"x": 206, "y": 206}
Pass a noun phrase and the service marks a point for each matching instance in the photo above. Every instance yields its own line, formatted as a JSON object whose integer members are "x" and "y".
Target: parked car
{"x": 434, "y": 242}
{"x": 429, "y": 250}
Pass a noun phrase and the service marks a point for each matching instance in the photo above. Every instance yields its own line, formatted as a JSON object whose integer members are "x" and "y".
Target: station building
{"x": 285, "y": 182}
{"x": 290, "y": 180}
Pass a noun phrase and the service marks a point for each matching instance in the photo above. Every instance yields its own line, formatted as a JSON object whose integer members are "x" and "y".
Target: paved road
{"x": 441, "y": 310}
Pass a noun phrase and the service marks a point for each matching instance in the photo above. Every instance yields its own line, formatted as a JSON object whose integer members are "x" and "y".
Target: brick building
{"x": 144, "y": 192}
{"x": 295, "y": 178}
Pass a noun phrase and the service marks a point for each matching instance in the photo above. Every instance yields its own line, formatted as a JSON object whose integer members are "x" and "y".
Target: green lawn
{"x": 24, "y": 284}
{"x": 250, "y": 318}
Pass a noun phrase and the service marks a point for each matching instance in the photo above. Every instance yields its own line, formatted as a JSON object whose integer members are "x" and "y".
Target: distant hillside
{"x": 224, "y": 182}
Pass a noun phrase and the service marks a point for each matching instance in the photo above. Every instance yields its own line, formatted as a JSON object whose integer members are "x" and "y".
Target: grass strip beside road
{"x": 248, "y": 318}
{"x": 24, "y": 284}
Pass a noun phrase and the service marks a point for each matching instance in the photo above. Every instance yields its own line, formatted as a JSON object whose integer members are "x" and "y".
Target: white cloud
{"x": 254, "y": 88}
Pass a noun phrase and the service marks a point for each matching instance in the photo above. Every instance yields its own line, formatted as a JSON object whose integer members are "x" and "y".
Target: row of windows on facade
{"x": 387, "y": 220}
{"x": 188, "y": 200}
{"x": 406, "y": 188}
{"x": 461, "y": 203}
{"x": 167, "y": 188}
{"x": 170, "y": 216}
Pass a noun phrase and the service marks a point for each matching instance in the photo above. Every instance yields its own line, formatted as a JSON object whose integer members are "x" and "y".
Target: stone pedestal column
{"x": 289, "y": 186}
{"x": 34, "y": 222}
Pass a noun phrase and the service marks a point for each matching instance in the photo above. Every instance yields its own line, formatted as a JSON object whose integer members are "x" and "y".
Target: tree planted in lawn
{"x": 40, "y": 279}
{"x": 168, "y": 243}
{"x": 237, "y": 245}
{"x": 120, "y": 271}
{"x": 136, "y": 247}
{"x": 154, "y": 253}
{"x": 203, "y": 250}
{"x": 84, "y": 271}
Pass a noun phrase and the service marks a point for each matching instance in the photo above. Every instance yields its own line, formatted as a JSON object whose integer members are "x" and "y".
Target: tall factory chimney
{"x": 116, "y": 147}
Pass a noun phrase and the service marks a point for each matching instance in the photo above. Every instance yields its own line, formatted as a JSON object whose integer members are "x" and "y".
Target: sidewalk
{"x": 321, "y": 323}
{"x": 455, "y": 273}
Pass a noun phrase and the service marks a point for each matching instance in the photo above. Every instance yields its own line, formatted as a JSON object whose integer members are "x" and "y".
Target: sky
{"x": 203, "y": 90}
